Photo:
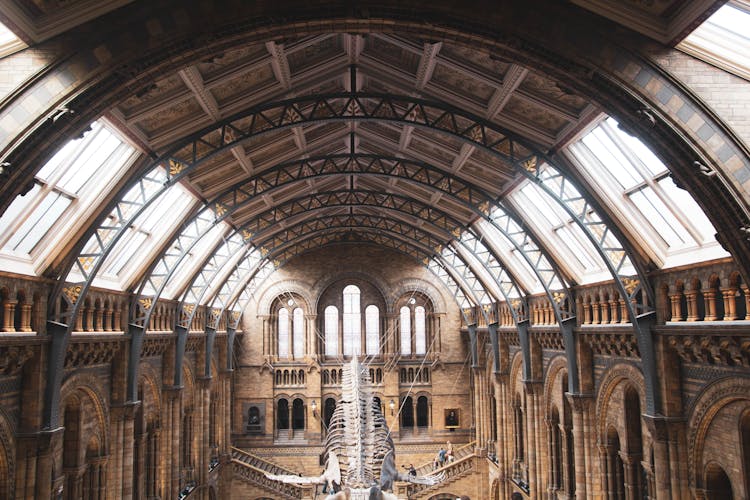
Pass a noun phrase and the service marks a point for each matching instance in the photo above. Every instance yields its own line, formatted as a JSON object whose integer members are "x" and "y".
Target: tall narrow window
{"x": 405, "y": 330}
{"x": 372, "y": 330}
{"x": 283, "y": 333}
{"x": 331, "y": 331}
{"x": 420, "y": 333}
{"x": 352, "y": 322}
{"x": 299, "y": 333}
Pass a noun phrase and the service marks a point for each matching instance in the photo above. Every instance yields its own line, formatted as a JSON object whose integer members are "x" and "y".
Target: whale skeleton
{"x": 359, "y": 449}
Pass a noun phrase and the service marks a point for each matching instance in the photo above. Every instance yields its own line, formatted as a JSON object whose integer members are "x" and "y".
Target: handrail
{"x": 258, "y": 477}
{"x": 458, "y": 453}
{"x": 451, "y": 471}
{"x": 258, "y": 462}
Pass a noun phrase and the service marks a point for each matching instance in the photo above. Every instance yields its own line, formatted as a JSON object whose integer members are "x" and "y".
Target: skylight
{"x": 637, "y": 186}
{"x": 724, "y": 39}
{"x": 65, "y": 193}
{"x": 9, "y": 42}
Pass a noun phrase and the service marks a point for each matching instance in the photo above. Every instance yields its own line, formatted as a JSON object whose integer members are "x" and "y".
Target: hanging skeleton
{"x": 359, "y": 448}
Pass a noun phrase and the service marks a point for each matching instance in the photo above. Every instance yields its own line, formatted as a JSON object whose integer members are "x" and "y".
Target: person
{"x": 449, "y": 452}
{"x": 441, "y": 456}
{"x": 412, "y": 471}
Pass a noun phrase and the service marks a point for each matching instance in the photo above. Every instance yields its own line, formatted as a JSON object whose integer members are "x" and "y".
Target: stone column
{"x": 26, "y": 317}
{"x": 730, "y": 305}
{"x": 659, "y": 431}
{"x": 579, "y": 404}
{"x": 9, "y": 312}
{"x": 127, "y": 449}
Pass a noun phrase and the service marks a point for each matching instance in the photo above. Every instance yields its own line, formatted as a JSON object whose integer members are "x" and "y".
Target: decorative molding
{"x": 91, "y": 352}
{"x": 712, "y": 349}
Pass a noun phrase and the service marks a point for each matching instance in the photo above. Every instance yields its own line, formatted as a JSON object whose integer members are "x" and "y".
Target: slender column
{"x": 108, "y": 319}
{"x": 531, "y": 448}
{"x": 613, "y": 308}
{"x": 605, "y": 312}
{"x": 579, "y": 404}
{"x": 26, "y": 317}
{"x": 746, "y": 292}
{"x": 175, "y": 446}
{"x": 709, "y": 299}
{"x": 595, "y": 310}
{"x": 659, "y": 431}
{"x": 692, "y": 305}
{"x": 98, "y": 319}
{"x": 127, "y": 450}
{"x": 9, "y": 312}
{"x": 730, "y": 307}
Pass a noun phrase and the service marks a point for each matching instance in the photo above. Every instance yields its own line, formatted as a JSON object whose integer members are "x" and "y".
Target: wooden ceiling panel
{"x": 243, "y": 85}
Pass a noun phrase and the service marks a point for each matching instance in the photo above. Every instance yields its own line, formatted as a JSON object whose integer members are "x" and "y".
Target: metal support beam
{"x": 134, "y": 360}
{"x": 179, "y": 355}
{"x": 231, "y": 333}
{"x": 523, "y": 338}
{"x": 55, "y": 369}
{"x": 210, "y": 340}
{"x": 571, "y": 354}
{"x": 492, "y": 329}
{"x": 473, "y": 341}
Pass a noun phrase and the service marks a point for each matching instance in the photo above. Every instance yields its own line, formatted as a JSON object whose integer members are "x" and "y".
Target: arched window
{"x": 372, "y": 330}
{"x": 299, "y": 332}
{"x": 330, "y": 407}
{"x": 283, "y": 333}
{"x": 282, "y": 414}
{"x": 331, "y": 331}
{"x": 298, "y": 414}
{"x": 407, "y": 413}
{"x": 420, "y": 333}
{"x": 718, "y": 484}
{"x": 405, "y": 321}
{"x": 423, "y": 410}
{"x": 352, "y": 322}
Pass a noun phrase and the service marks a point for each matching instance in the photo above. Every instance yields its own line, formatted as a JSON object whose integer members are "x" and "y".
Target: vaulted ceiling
{"x": 384, "y": 136}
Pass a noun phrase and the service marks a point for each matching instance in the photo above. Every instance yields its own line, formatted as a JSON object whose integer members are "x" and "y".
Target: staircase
{"x": 463, "y": 466}
{"x": 458, "y": 453}
{"x": 253, "y": 469}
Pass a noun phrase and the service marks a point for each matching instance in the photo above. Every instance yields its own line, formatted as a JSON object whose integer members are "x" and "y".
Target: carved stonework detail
{"x": 713, "y": 350}
{"x": 550, "y": 340}
{"x": 623, "y": 344}
{"x": 194, "y": 344}
{"x": 90, "y": 353}
{"x": 155, "y": 346}
{"x": 12, "y": 358}
{"x": 511, "y": 338}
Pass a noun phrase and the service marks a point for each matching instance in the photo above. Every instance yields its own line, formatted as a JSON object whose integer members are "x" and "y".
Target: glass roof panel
{"x": 65, "y": 195}
{"x": 636, "y": 186}
{"x": 723, "y": 39}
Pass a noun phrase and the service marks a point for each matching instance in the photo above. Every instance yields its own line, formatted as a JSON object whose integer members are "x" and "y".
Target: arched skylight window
{"x": 420, "y": 332}
{"x": 724, "y": 39}
{"x": 331, "y": 331}
{"x": 372, "y": 330}
{"x": 405, "y": 321}
{"x": 299, "y": 332}
{"x": 283, "y": 333}
{"x": 64, "y": 195}
{"x": 637, "y": 185}
{"x": 352, "y": 321}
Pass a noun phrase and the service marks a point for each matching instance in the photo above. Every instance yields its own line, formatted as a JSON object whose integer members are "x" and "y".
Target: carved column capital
{"x": 580, "y": 402}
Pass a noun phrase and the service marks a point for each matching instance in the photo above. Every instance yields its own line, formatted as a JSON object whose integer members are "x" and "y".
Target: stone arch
{"x": 706, "y": 407}
{"x": 7, "y": 457}
{"x": 188, "y": 384}
{"x": 618, "y": 374}
{"x": 555, "y": 367}
{"x": 516, "y": 373}
{"x": 90, "y": 386}
{"x": 327, "y": 281}
{"x": 408, "y": 285}
{"x": 296, "y": 287}
{"x": 151, "y": 387}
